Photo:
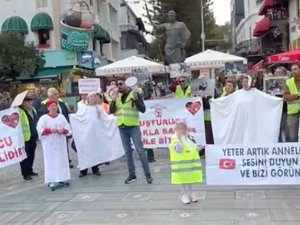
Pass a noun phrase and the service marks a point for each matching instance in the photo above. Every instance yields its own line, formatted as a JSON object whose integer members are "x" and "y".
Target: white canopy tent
{"x": 127, "y": 65}
{"x": 212, "y": 59}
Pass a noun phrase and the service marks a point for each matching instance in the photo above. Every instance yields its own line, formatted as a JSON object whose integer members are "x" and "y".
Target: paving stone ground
{"x": 106, "y": 200}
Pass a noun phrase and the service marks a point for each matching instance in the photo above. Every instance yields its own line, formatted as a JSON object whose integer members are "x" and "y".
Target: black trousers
{"x": 150, "y": 154}
{"x": 95, "y": 169}
{"x": 26, "y": 164}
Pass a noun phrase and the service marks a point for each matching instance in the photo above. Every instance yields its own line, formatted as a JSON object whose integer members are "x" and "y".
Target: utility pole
{"x": 202, "y": 27}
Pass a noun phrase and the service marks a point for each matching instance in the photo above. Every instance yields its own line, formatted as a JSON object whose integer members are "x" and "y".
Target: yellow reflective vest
{"x": 294, "y": 106}
{"x": 179, "y": 93}
{"x": 207, "y": 115}
{"x": 224, "y": 93}
{"x": 127, "y": 113}
{"x": 185, "y": 165}
{"x": 25, "y": 125}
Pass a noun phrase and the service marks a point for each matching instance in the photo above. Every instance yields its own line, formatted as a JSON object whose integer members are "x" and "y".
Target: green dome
{"x": 14, "y": 24}
{"x": 41, "y": 21}
{"x": 101, "y": 34}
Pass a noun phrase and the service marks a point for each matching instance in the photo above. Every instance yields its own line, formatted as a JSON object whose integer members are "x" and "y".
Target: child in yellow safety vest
{"x": 185, "y": 162}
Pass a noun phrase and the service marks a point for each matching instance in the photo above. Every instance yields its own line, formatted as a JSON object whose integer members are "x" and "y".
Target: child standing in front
{"x": 185, "y": 162}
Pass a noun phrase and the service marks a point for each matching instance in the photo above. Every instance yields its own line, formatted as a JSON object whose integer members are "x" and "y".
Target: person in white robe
{"x": 248, "y": 116}
{"x": 53, "y": 129}
{"x": 96, "y": 136}
{"x": 82, "y": 104}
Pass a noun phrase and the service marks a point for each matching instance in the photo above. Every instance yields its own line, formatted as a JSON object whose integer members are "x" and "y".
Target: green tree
{"x": 190, "y": 14}
{"x": 18, "y": 57}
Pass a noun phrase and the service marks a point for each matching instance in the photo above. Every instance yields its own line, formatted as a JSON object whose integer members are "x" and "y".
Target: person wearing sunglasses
{"x": 127, "y": 105}
{"x": 181, "y": 88}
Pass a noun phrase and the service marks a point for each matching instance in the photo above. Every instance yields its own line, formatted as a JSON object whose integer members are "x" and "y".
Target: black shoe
{"x": 71, "y": 166}
{"x": 97, "y": 173}
{"x": 27, "y": 178}
{"x": 130, "y": 179}
{"x": 34, "y": 174}
{"x": 82, "y": 175}
{"x": 67, "y": 184}
{"x": 149, "y": 179}
{"x": 151, "y": 160}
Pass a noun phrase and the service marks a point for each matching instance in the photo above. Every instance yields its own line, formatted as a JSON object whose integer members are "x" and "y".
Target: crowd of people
{"x": 48, "y": 120}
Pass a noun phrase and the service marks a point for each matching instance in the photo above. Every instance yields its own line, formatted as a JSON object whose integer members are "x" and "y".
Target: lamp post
{"x": 202, "y": 26}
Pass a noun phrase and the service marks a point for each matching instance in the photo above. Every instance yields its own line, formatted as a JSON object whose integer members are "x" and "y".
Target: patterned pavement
{"x": 106, "y": 200}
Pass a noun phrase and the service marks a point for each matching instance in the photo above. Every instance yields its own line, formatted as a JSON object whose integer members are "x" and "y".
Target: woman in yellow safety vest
{"x": 185, "y": 162}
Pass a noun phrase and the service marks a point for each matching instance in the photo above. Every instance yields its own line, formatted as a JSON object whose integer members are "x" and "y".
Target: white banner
{"x": 274, "y": 164}
{"x": 89, "y": 85}
{"x": 157, "y": 124}
{"x": 12, "y": 146}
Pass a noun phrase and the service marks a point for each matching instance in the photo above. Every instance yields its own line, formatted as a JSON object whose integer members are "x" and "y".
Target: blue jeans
{"x": 134, "y": 133}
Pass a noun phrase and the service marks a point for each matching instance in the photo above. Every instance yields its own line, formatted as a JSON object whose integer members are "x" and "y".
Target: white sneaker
{"x": 194, "y": 197}
{"x": 185, "y": 199}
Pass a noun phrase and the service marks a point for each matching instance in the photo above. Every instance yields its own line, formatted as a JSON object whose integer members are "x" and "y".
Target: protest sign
{"x": 180, "y": 70}
{"x": 235, "y": 68}
{"x": 203, "y": 87}
{"x": 19, "y": 99}
{"x": 110, "y": 91}
{"x": 12, "y": 146}
{"x": 142, "y": 74}
{"x": 204, "y": 73}
{"x": 274, "y": 85}
{"x": 273, "y": 164}
{"x": 89, "y": 85}
{"x": 158, "y": 122}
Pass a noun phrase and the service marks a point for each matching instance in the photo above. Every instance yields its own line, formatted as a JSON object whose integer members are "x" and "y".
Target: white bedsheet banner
{"x": 274, "y": 164}
{"x": 157, "y": 124}
{"x": 12, "y": 145}
{"x": 96, "y": 137}
{"x": 246, "y": 117}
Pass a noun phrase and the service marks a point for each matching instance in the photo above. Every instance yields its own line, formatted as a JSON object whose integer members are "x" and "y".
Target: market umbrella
{"x": 286, "y": 57}
{"x": 212, "y": 59}
{"x": 127, "y": 65}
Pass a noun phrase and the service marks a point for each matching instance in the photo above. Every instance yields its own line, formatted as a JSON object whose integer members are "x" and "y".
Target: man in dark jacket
{"x": 29, "y": 119}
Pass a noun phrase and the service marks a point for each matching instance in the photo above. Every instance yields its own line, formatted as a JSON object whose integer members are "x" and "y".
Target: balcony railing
{"x": 280, "y": 13}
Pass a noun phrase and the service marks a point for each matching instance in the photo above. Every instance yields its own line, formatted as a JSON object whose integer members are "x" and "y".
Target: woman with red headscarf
{"x": 53, "y": 129}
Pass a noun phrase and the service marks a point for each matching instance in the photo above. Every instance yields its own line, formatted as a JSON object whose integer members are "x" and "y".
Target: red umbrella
{"x": 286, "y": 57}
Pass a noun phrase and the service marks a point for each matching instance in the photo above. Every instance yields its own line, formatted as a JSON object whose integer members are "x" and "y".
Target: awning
{"x": 262, "y": 27}
{"x": 14, "y": 24}
{"x": 286, "y": 57}
{"x": 212, "y": 59}
{"x": 126, "y": 66}
{"x": 101, "y": 34}
{"x": 47, "y": 75}
{"x": 265, "y": 6}
{"x": 41, "y": 21}
{"x": 258, "y": 66}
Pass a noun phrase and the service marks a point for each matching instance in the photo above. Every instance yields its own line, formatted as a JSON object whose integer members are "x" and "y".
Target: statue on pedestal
{"x": 178, "y": 36}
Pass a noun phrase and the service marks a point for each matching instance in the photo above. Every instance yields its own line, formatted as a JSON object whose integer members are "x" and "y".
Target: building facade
{"x": 294, "y": 21}
{"x": 246, "y": 44}
{"x": 267, "y": 28}
{"x": 41, "y": 21}
{"x": 237, "y": 10}
{"x": 132, "y": 28}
